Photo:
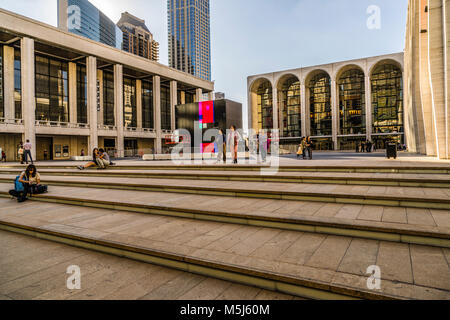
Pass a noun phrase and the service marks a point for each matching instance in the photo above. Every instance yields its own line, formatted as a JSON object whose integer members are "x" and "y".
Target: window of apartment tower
{"x": 81, "y": 94}
{"x": 108, "y": 99}
{"x": 52, "y": 92}
{"x": 17, "y": 85}
{"x": 165, "y": 108}
{"x": 129, "y": 103}
{"x": 147, "y": 105}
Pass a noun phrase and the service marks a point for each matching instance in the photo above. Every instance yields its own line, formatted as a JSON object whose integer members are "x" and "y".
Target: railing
{"x": 16, "y": 122}
{"x": 56, "y": 124}
{"x": 107, "y": 127}
{"x": 141, "y": 130}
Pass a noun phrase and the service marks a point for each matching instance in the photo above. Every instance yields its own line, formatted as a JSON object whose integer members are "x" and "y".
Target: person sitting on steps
{"x": 93, "y": 163}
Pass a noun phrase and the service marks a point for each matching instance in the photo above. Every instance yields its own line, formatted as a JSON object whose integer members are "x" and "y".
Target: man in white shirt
{"x": 27, "y": 151}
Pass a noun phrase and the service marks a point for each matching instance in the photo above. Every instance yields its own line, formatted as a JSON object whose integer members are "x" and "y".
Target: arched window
{"x": 352, "y": 105}
{"x": 290, "y": 107}
{"x": 265, "y": 105}
{"x": 320, "y": 105}
{"x": 387, "y": 99}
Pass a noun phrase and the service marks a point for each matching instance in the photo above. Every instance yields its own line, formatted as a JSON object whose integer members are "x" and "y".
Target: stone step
{"x": 306, "y": 167}
{"x": 105, "y": 276}
{"x": 418, "y": 226}
{"x": 298, "y": 263}
{"x": 405, "y": 197}
{"x": 378, "y": 179}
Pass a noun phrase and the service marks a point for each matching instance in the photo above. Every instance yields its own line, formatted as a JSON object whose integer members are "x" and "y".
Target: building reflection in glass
{"x": 108, "y": 99}
{"x": 320, "y": 104}
{"x": 290, "y": 108}
{"x": 52, "y": 94}
{"x": 352, "y": 105}
{"x": 129, "y": 103}
{"x": 147, "y": 105}
{"x": 387, "y": 99}
{"x": 265, "y": 106}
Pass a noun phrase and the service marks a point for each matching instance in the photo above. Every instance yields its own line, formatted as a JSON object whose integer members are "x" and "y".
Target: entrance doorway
{"x": 44, "y": 148}
{"x": 131, "y": 148}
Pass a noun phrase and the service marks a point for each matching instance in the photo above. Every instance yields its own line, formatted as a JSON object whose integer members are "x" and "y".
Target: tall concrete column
{"x": 198, "y": 95}
{"x": 8, "y": 82}
{"x": 275, "y": 108}
{"x": 73, "y": 93}
{"x": 139, "y": 103}
{"x": 28, "y": 92}
{"x": 183, "y": 97}
{"x": 157, "y": 108}
{"x": 304, "y": 110}
{"x": 91, "y": 75}
{"x": 173, "y": 103}
{"x": 118, "y": 102}
{"x": 369, "y": 120}
{"x": 334, "y": 113}
{"x": 210, "y": 96}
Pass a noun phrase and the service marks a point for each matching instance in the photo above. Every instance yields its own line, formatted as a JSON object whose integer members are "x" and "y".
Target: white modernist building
{"x": 66, "y": 93}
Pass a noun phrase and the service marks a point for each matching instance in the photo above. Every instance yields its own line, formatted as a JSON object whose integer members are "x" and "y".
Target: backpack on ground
{"x": 18, "y": 186}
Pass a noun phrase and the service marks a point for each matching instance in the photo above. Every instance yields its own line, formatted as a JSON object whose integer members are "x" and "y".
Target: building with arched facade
{"x": 338, "y": 104}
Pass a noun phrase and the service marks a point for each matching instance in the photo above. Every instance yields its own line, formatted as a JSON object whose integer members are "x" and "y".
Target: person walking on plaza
{"x": 3, "y": 156}
{"x": 309, "y": 147}
{"x": 221, "y": 147}
{"x": 27, "y": 151}
{"x": 263, "y": 145}
{"x": 233, "y": 142}
{"x": 20, "y": 152}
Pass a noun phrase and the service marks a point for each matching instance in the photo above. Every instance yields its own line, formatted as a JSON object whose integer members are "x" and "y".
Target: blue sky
{"x": 258, "y": 36}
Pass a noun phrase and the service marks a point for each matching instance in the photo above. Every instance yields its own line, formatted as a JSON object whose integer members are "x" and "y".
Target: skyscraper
{"x": 137, "y": 39}
{"x": 189, "y": 37}
{"x": 84, "y": 19}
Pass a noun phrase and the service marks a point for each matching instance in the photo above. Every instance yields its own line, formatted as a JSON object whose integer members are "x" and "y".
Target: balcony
{"x": 56, "y": 124}
{"x": 15, "y": 122}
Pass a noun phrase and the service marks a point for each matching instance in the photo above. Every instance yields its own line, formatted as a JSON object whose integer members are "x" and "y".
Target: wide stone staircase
{"x": 309, "y": 231}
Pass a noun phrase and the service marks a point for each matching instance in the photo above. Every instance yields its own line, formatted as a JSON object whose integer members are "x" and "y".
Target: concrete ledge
{"x": 307, "y": 224}
{"x": 288, "y": 284}
{"x": 79, "y": 158}
{"x": 386, "y": 200}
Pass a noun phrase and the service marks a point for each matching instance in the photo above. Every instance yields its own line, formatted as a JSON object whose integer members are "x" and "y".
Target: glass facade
{"x": 352, "y": 105}
{"x": 189, "y": 36}
{"x": 81, "y": 95}
{"x": 265, "y": 106}
{"x": 17, "y": 84}
{"x": 52, "y": 92}
{"x": 108, "y": 99}
{"x": 129, "y": 103}
{"x": 2, "y": 104}
{"x": 95, "y": 25}
{"x": 387, "y": 99}
{"x": 165, "y": 108}
{"x": 147, "y": 105}
{"x": 290, "y": 109}
{"x": 320, "y": 105}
